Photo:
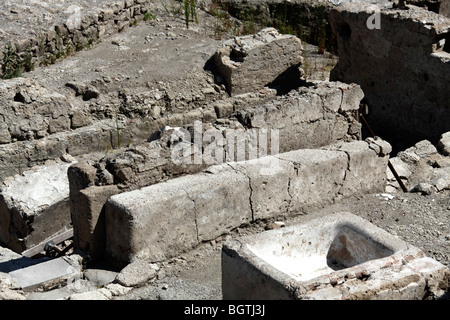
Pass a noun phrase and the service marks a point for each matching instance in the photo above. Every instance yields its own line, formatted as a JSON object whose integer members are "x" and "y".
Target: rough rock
{"x": 9, "y": 289}
{"x": 136, "y": 273}
{"x": 252, "y": 62}
{"x": 425, "y": 188}
{"x": 444, "y": 144}
{"x": 100, "y": 277}
{"x": 420, "y": 150}
{"x": 30, "y": 111}
{"x": 400, "y": 167}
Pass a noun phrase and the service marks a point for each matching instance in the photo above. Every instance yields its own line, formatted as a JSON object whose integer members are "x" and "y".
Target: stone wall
{"x": 60, "y": 29}
{"x": 160, "y": 221}
{"x": 311, "y": 117}
{"x": 402, "y": 68}
{"x": 40, "y": 122}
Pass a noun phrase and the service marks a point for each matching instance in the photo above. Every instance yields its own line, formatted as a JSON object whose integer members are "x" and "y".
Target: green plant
{"x": 223, "y": 22}
{"x": 133, "y": 23}
{"x": 188, "y": 6}
{"x": 15, "y": 63}
{"x": 11, "y": 66}
{"x": 149, "y": 16}
{"x": 249, "y": 27}
{"x": 190, "y": 11}
{"x": 307, "y": 66}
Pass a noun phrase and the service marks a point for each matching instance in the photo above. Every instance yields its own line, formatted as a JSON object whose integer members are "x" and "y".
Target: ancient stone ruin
{"x": 129, "y": 138}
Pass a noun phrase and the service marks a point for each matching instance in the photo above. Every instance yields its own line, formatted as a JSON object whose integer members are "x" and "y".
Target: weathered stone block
{"x": 318, "y": 176}
{"x": 164, "y": 219}
{"x": 89, "y": 217}
{"x": 251, "y": 62}
{"x": 152, "y": 223}
{"x": 362, "y": 162}
{"x": 34, "y": 206}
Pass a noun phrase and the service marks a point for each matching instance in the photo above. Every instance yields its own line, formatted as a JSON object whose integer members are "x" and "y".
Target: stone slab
{"x": 32, "y": 277}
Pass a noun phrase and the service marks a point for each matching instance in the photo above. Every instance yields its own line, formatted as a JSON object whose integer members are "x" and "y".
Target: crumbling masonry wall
{"x": 403, "y": 69}
{"x": 39, "y": 123}
{"x": 438, "y": 6}
{"x": 60, "y": 29}
{"x": 311, "y": 117}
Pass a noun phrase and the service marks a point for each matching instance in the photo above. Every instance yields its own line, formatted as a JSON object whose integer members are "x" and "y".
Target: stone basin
{"x": 311, "y": 250}
{"x": 339, "y": 256}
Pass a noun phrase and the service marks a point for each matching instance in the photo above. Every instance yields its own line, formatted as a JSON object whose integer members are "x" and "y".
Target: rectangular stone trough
{"x": 339, "y": 256}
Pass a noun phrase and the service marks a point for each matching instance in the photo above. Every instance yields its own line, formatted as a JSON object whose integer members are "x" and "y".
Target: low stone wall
{"x": 311, "y": 117}
{"x": 403, "y": 74}
{"x": 69, "y": 27}
{"x": 165, "y": 219}
{"x": 39, "y": 122}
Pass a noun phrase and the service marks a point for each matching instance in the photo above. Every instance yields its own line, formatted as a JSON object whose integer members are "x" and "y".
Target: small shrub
{"x": 14, "y": 64}
{"x": 149, "y": 16}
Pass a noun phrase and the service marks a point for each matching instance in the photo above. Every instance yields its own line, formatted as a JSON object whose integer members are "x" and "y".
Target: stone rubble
{"x": 422, "y": 168}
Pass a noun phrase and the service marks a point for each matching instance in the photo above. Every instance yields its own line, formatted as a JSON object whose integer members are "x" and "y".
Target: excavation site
{"x": 235, "y": 150}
